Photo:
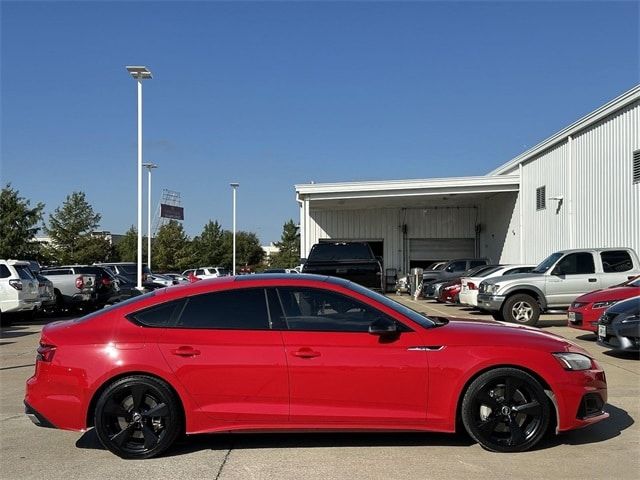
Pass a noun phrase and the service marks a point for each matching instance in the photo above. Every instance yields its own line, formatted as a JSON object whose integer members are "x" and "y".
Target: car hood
{"x": 515, "y": 278}
{"x": 461, "y": 331}
{"x": 608, "y": 294}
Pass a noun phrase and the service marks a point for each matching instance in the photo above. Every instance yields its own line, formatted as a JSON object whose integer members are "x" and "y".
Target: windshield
{"x": 340, "y": 251}
{"x": 488, "y": 271}
{"x": 133, "y": 269}
{"x": 634, "y": 282}
{"x": 419, "y": 318}
{"x": 547, "y": 263}
{"x": 476, "y": 271}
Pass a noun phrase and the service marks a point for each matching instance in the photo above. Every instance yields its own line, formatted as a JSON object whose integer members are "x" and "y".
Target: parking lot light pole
{"x": 139, "y": 73}
{"x": 149, "y": 166}
{"x": 234, "y": 186}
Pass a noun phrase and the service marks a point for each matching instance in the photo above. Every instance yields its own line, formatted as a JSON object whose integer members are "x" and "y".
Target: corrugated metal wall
{"x": 607, "y": 203}
{"x": 593, "y": 172}
{"x": 500, "y": 228}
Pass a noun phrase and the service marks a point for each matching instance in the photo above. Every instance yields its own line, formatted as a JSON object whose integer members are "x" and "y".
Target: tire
{"x": 125, "y": 422}
{"x": 521, "y": 308}
{"x": 506, "y": 410}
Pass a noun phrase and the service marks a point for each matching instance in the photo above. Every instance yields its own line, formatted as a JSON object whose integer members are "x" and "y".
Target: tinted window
{"x": 158, "y": 316}
{"x": 513, "y": 271}
{"x": 321, "y": 310}
{"x": 576, "y": 263}
{"x": 244, "y": 309}
{"x": 475, "y": 263}
{"x": 460, "y": 266}
{"x": 200, "y": 271}
{"x": 616, "y": 261}
{"x": 4, "y": 271}
{"x": 24, "y": 273}
{"x": 327, "y": 251}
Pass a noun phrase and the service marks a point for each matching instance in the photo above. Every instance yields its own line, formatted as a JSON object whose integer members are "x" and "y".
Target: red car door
{"x": 339, "y": 372}
{"x": 223, "y": 351}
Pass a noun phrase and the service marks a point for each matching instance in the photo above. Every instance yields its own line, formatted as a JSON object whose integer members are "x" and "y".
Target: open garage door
{"x": 424, "y": 251}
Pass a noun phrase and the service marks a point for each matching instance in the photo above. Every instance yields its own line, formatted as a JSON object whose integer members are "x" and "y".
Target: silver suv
{"x": 556, "y": 282}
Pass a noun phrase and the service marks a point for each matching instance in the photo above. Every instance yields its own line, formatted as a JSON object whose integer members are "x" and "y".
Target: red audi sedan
{"x": 585, "y": 310}
{"x": 272, "y": 352}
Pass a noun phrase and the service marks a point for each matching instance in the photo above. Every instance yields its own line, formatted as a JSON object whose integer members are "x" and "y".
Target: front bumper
{"x": 581, "y": 398}
{"x": 583, "y": 319}
{"x": 620, "y": 336}
{"x": 493, "y": 303}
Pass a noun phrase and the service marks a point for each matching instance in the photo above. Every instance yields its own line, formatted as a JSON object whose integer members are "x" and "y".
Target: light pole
{"x": 149, "y": 166}
{"x": 139, "y": 73}
{"x": 234, "y": 186}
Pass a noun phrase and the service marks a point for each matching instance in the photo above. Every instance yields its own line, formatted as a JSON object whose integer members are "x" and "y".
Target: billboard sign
{"x": 171, "y": 211}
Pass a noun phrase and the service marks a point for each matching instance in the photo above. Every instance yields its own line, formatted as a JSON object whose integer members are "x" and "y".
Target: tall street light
{"x": 149, "y": 166}
{"x": 139, "y": 73}
{"x": 234, "y": 186}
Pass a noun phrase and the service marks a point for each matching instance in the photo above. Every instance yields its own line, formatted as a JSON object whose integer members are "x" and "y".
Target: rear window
{"x": 616, "y": 261}
{"x": 487, "y": 271}
{"x": 24, "y": 273}
{"x": 323, "y": 252}
{"x": 4, "y": 271}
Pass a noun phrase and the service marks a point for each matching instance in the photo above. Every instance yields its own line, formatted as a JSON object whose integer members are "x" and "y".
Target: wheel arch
{"x": 555, "y": 420}
{"x": 96, "y": 395}
{"x": 535, "y": 292}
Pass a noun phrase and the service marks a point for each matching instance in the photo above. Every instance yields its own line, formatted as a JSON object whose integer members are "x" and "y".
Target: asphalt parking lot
{"x": 610, "y": 449}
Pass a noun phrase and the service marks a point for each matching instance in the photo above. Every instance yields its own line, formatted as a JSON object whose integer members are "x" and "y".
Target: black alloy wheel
{"x": 506, "y": 410}
{"x": 137, "y": 417}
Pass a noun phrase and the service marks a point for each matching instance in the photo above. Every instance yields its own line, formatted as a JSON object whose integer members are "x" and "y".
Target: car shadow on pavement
{"x": 623, "y": 354}
{"x": 588, "y": 337}
{"x": 13, "y": 331}
{"x": 241, "y": 441}
{"x": 612, "y": 427}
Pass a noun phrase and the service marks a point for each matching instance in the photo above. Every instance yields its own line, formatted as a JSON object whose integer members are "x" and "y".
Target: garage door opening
{"x": 425, "y": 251}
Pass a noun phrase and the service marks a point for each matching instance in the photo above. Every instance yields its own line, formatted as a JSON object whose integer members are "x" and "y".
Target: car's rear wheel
{"x": 506, "y": 410}
{"x": 138, "y": 417}
{"x": 521, "y": 308}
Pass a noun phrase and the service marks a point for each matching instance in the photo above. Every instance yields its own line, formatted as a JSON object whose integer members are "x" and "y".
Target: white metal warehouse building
{"x": 578, "y": 188}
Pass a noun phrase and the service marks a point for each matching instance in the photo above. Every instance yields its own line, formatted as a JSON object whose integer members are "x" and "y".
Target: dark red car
{"x": 450, "y": 293}
{"x": 585, "y": 310}
{"x": 270, "y": 352}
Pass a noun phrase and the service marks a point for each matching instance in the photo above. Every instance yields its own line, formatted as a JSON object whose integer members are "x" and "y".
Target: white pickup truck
{"x": 72, "y": 289}
{"x": 556, "y": 282}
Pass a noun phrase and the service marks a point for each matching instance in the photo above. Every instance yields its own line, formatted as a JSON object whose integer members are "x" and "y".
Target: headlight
{"x": 573, "y": 361}
{"x": 492, "y": 288}
{"x": 604, "y": 304}
{"x": 579, "y": 304}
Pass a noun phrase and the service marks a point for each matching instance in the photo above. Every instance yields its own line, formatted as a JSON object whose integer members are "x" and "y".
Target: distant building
{"x": 268, "y": 251}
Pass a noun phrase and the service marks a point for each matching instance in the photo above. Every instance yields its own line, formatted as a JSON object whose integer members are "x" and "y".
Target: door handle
{"x": 185, "y": 351}
{"x": 305, "y": 353}
{"x": 593, "y": 280}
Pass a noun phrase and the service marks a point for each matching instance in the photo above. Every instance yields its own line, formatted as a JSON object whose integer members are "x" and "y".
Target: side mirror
{"x": 383, "y": 327}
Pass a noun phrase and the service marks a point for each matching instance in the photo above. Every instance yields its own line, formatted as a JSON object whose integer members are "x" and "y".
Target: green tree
{"x": 18, "y": 225}
{"x": 289, "y": 245}
{"x": 249, "y": 253}
{"x": 208, "y": 247}
{"x": 171, "y": 248}
{"x": 72, "y": 230}
{"x": 127, "y": 247}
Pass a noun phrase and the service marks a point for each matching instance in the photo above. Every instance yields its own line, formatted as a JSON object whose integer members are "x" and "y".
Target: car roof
{"x": 598, "y": 250}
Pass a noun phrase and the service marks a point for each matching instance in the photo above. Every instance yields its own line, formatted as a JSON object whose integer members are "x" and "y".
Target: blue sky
{"x": 273, "y": 94}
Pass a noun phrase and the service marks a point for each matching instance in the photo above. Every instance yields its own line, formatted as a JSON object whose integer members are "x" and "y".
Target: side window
{"x": 4, "y": 271}
{"x": 310, "y": 309}
{"x": 242, "y": 309}
{"x": 51, "y": 272}
{"x": 616, "y": 261}
{"x": 477, "y": 263}
{"x": 575, "y": 264}
{"x": 159, "y": 315}
{"x": 200, "y": 271}
{"x": 457, "y": 266}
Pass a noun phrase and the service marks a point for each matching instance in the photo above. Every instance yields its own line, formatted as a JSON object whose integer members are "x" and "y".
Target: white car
{"x": 18, "y": 288}
{"x": 208, "y": 272}
{"x": 470, "y": 285}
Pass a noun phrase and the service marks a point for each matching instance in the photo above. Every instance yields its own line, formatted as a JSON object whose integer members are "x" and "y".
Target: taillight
{"x": 471, "y": 286}
{"x": 17, "y": 284}
{"x": 45, "y": 352}
{"x": 80, "y": 283}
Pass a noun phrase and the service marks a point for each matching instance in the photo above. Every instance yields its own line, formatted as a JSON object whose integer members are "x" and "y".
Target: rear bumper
{"x": 20, "y": 305}
{"x": 36, "y": 417}
{"x": 493, "y": 303}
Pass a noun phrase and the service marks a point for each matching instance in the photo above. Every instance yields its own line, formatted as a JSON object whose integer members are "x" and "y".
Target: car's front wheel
{"x": 138, "y": 417}
{"x": 521, "y": 308}
{"x": 506, "y": 410}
